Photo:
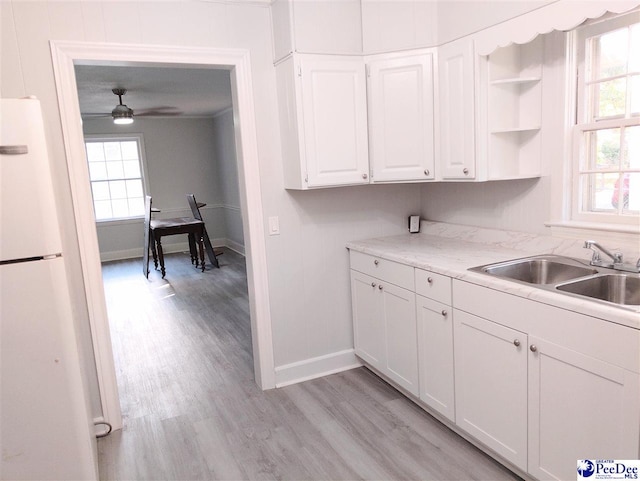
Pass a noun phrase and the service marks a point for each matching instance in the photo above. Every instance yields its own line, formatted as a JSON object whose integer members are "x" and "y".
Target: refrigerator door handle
{"x": 14, "y": 149}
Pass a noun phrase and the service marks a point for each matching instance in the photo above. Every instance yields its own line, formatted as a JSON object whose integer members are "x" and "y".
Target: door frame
{"x": 67, "y": 54}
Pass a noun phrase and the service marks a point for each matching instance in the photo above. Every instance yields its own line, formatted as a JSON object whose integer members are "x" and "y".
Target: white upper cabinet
{"x": 457, "y": 110}
{"x": 323, "y": 116}
{"x": 401, "y": 118}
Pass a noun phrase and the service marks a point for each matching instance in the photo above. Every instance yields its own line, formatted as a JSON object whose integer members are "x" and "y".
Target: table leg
{"x": 192, "y": 249}
{"x": 201, "y": 249}
{"x": 161, "y": 256}
{"x": 154, "y": 251}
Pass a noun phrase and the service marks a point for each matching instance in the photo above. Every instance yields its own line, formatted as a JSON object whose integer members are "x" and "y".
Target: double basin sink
{"x": 570, "y": 276}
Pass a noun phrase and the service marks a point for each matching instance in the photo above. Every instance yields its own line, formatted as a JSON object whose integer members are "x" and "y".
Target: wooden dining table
{"x": 159, "y": 228}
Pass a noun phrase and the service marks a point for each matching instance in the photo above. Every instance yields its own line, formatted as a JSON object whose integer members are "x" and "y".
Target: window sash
{"x": 584, "y": 203}
{"x": 138, "y": 139}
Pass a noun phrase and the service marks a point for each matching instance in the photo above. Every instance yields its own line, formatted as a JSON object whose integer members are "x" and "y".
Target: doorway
{"x": 66, "y": 55}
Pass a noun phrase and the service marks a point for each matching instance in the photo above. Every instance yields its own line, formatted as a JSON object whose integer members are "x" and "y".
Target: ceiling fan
{"x": 122, "y": 114}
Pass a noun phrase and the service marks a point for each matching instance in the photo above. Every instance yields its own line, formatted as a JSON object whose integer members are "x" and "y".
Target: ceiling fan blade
{"x": 160, "y": 110}
{"x": 94, "y": 115}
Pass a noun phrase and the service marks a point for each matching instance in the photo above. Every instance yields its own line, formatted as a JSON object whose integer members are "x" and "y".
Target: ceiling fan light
{"x": 123, "y": 120}
{"x": 122, "y": 115}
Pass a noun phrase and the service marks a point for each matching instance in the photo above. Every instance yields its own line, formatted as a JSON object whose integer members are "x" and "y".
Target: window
{"x": 606, "y": 174}
{"x": 117, "y": 181}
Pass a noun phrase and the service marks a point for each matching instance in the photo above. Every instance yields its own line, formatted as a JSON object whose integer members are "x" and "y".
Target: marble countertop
{"x": 452, "y": 249}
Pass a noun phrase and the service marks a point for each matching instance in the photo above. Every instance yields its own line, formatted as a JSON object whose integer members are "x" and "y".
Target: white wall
{"x": 307, "y": 262}
{"x": 457, "y": 18}
{"x": 389, "y": 25}
{"x": 225, "y": 153}
{"x": 376, "y": 26}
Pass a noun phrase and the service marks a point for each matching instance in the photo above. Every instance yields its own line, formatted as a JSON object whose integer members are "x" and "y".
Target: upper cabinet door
{"x": 401, "y": 118}
{"x": 334, "y": 110}
{"x": 457, "y": 112}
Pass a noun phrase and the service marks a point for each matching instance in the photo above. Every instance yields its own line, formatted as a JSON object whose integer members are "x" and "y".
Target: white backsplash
{"x": 519, "y": 240}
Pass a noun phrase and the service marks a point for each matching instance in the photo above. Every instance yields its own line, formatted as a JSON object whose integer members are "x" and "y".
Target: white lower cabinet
{"x": 537, "y": 385}
{"x": 579, "y": 408}
{"x": 491, "y": 385}
{"x": 435, "y": 355}
{"x": 384, "y": 321}
{"x": 368, "y": 324}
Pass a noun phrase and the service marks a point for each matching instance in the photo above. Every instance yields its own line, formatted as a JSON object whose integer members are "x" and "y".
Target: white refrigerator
{"x": 45, "y": 427}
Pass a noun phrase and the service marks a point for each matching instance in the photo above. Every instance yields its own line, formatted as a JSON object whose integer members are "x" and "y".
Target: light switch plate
{"x": 414, "y": 224}
{"x": 274, "y": 226}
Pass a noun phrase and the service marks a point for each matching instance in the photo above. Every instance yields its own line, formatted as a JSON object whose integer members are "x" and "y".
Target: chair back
{"x": 194, "y": 206}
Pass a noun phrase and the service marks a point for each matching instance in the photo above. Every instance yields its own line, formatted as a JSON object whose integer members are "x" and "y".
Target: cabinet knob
{"x": 376, "y": 262}
{"x": 533, "y": 348}
{"x": 364, "y": 176}
{"x": 430, "y": 280}
{"x": 516, "y": 342}
{"x": 444, "y": 312}
{"x": 373, "y": 284}
{"x": 426, "y": 172}
{"x": 465, "y": 171}
{"x": 380, "y": 287}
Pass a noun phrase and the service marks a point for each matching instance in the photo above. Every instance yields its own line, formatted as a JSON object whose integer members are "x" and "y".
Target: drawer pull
{"x": 380, "y": 287}
{"x": 516, "y": 342}
{"x": 373, "y": 284}
{"x": 430, "y": 280}
{"x": 376, "y": 262}
{"x": 533, "y": 348}
{"x": 444, "y": 312}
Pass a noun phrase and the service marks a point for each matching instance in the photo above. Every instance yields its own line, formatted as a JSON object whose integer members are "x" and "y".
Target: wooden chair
{"x": 195, "y": 210}
{"x": 154, "y": 229}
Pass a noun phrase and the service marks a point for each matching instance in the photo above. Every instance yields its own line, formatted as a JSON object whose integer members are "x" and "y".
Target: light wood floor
{"x": 192, "y": 410}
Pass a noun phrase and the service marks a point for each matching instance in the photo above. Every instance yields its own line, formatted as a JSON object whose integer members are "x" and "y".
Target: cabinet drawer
{"x": 434, "y": 286}
{"x": 389, "y": 271}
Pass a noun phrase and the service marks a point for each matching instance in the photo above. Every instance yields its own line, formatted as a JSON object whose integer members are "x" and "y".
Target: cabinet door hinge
{"x": 299, "y": 71}
{"x": 306, "y": 178}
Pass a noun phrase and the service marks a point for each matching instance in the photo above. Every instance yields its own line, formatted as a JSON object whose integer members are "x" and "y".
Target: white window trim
{"x": 143, "y": 170}
{"x": 563, "y": 190}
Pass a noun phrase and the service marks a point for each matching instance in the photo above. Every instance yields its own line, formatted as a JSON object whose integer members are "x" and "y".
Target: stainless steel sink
{"x": 539, "y": 269}
{"x": 617, "y": 288}
{"x": 568, "y": 276}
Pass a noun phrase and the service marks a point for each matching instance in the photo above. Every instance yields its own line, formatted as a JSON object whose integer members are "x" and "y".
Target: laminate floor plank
{"x": 192, "y": 411}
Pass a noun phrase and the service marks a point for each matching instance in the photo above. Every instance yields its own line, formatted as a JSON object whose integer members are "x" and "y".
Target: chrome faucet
{"x": 596, "y": 260}
{"x": 616, "y": 257}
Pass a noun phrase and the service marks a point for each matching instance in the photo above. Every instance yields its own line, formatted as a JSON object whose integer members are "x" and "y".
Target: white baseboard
{"x": 316, "y": 367}
{"x": 229, "y": 244}
{"x": 168, "y": 249}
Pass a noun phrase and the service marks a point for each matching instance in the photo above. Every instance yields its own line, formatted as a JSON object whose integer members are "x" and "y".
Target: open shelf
{"x": 515, "y": 129}
{"x": 515, "y": 81}
{"x": 514, "y": 111}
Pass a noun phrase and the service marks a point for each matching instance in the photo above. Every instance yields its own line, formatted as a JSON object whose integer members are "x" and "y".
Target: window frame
{"x": 139, "y": 138}
{"x": 580, "y": 122}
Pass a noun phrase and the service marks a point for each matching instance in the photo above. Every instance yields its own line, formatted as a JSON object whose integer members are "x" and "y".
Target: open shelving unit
{"x": 514, "y": 111}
